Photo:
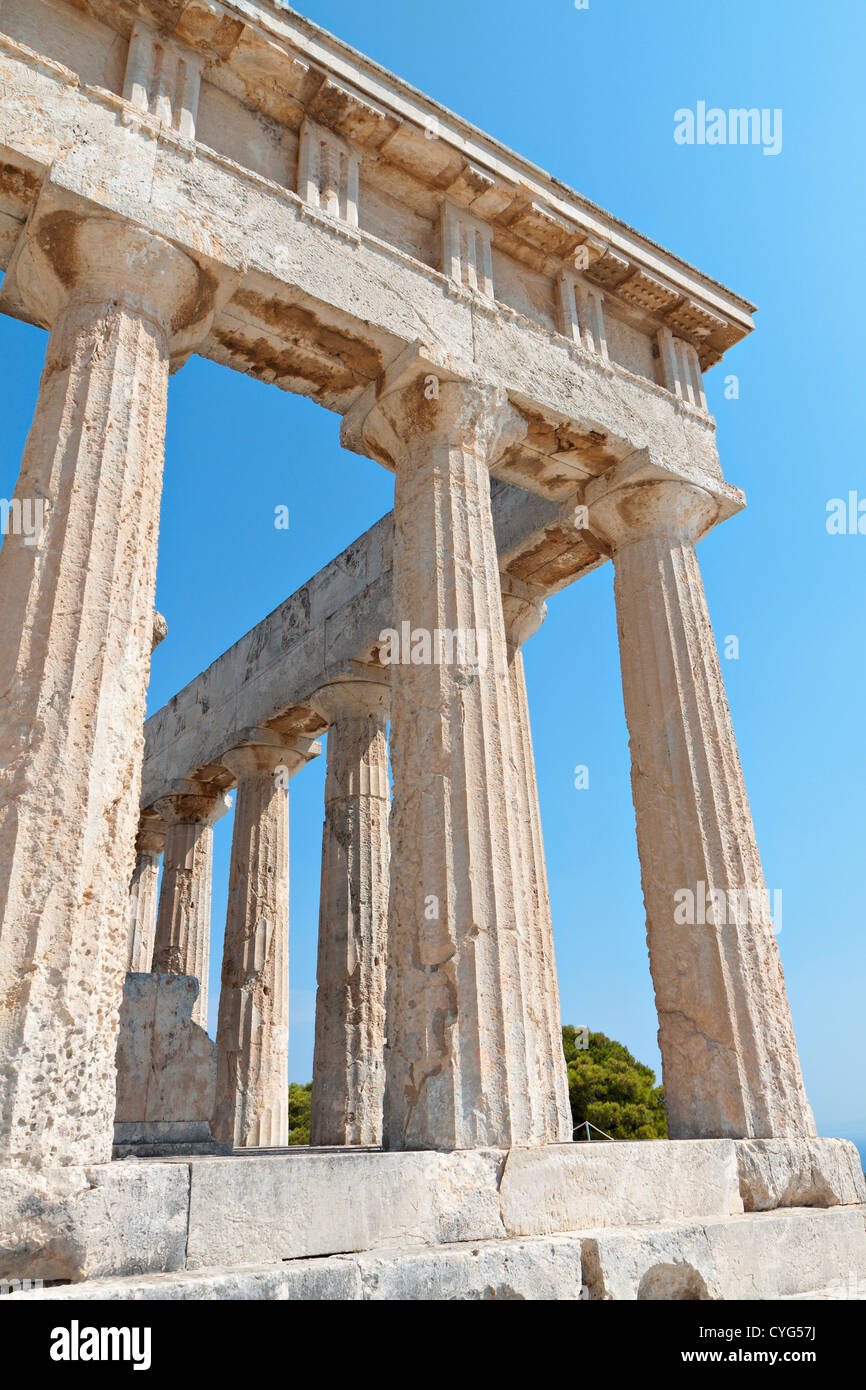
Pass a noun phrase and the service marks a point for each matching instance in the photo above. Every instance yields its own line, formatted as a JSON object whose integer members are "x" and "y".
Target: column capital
{"x": 151, "y": 835}
{"x": 642, "y": 497}
{"x": 523, "y": 608}
{"x": 420, "y": 398}
{"x": 73, "y": 251}
{"x": 265, "y": 751}
{"x": 193, "y": 806}
{"x": 354, "y": 699}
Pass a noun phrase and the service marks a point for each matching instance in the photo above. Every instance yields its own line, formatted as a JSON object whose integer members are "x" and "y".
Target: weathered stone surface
{"x": 480, "y": 1271}
{"x": 166, "y": 1063}
{"x": 461, "y": 1066}
{"x": 523, "y": 613}
{"x": 395, "y": 1214}
{"x": 252, "y": 1090}
{"x": 183, "y": 923}
{"x": 572, "y": 1187}
{"x": 799, "y": 1173}
{"x": 771, "y": 1255}
{"x": 508, "y": 1270}
{"x": 348, "y": 1060}
{"x": 348, "y": 312}
{"x": 143, "y": 894}
{"x": 761, "y": 1255}
{"x": 77, "y": 613}
{"x": 306, "y": 1280}
{"x": 729, "y": 1055}
{"x": 303, "y": 1204}
{"x": 77, "y": 1223}
{"x": 335, "y": 305}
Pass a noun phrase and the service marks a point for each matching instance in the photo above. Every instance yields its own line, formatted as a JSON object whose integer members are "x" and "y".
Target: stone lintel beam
{"x": 729, "y": 1054}
{"x": 252, "y": 1089}
{"x": 348, "y": 1064}
{"x": 322, "y": 632}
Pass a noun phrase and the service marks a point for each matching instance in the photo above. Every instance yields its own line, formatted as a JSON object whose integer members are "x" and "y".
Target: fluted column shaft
{"x": 461, "y": 1067}
{"x": 252, "y": 1092}
{"x": 348, "y": 1064}
{"x": 524, "y": 614}
{"x": 729, "y": 1054}
{"x": 183, "y": 923}
{"x": 77, "y": 614}
{"x": 144, "y": 896}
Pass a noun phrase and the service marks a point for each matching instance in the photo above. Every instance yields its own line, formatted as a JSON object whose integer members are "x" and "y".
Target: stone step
{"x": 151, "y": 1216}
{"x": 782, "y": 1254}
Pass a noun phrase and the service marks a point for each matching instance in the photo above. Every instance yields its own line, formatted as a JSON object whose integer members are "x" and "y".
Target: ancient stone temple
{"x": 221, "y": 177}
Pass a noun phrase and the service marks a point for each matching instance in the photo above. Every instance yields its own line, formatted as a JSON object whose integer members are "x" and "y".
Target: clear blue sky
{"x": 590, "y": 95}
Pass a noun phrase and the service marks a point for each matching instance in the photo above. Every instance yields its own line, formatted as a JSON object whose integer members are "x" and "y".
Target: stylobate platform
{"x": 673, "y": 1219}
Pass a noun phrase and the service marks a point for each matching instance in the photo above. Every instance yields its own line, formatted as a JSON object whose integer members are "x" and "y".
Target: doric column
{"x": 729, "y": 1054}
{"x": 524, "y": 611}
{"x": 252, "y": 1088}
{"x": 183, "y": 922}
{"x": 143, "y": 895}
{"x": 77, "y": 616}
{"x": 461, "y": 1067}
{"x": 349, "y": 1062}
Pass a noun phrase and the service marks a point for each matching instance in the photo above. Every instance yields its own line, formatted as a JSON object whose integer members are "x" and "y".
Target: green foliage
{"x": 300, "y": 1098}
{"x": 608, "y": 1087}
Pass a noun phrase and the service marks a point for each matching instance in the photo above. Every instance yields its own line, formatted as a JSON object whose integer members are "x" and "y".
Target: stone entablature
{"x": 269, "y": 79}
{"x": 291, "y": 308}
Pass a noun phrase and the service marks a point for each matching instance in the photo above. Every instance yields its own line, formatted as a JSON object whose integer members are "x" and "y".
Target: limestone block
{"x": 467, "y": 1195}
{"x": 166, "y": 1064}
{"x": 506, "y": 1270}
{"x": 569, "y": 1187}
{"x": 758, "y": 1256}
{"x": 309, "y": 1280}
{"x": 77, "y": 1223}
{"x": 799, "y": 1173}
{"x": 306, "y": 1204}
